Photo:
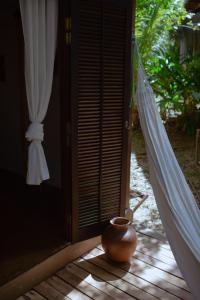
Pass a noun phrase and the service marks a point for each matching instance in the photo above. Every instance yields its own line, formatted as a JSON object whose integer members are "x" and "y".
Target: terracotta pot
{"x": 119, "y": 240}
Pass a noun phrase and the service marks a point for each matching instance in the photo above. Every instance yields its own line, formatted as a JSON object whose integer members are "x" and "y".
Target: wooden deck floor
{"x": 151, "y": 274}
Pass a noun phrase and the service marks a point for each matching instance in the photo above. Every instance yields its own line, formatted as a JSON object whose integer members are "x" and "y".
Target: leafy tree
{"x": 177, "y": 84}
{"x": 174, "y": 81}
{"x": 154, "y": 20}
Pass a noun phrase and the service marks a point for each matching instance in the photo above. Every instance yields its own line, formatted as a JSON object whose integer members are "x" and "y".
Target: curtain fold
{"x": 39, "y": 22}
{"x": 178, "y": 209}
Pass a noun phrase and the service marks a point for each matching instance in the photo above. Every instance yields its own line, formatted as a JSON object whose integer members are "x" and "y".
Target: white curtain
{"x": 178, "y": 209}
{"x": 39, "y": 21}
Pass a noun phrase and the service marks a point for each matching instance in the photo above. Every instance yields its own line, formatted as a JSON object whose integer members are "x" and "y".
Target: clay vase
{"x": 119, "y": 240}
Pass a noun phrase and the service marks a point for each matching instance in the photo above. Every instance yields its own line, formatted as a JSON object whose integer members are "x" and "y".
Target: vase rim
{"x": 120, "y": 221}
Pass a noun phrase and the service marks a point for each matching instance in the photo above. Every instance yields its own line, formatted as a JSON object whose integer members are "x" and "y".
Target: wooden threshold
{"x": 30, "y": 278}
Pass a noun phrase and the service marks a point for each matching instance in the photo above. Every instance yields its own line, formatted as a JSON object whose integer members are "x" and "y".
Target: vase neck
{"x": 120, "y": 223}
{"x": 121, "y": 227}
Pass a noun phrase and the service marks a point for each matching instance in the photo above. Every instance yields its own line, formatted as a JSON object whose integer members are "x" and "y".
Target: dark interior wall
{"x": 11, "y": 130}
{"x": 10, "y": 135}
{"x": 52, "y": 142}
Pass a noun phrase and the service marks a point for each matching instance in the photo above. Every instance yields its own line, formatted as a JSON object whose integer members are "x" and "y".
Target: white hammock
{"x": 179, "y": 212}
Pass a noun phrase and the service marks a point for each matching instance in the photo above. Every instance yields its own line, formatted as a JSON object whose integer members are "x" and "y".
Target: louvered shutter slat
{"x": 100, "y": 41}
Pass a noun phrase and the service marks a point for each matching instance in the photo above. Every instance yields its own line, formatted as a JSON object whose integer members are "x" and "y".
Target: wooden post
{"x": 197, "y": 147}
{"x": 130, "y": 122}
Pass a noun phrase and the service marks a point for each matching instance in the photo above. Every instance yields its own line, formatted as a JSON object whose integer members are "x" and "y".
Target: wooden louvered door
{"x": 101, "y": 43}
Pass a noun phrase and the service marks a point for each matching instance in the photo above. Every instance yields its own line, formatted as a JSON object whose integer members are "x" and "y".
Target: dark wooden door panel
{"x": 101, "y": 33}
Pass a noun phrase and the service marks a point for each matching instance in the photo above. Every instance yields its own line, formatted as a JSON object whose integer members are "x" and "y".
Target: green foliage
{"x": 154, "y": 20}
{"x": 176, "y": 84}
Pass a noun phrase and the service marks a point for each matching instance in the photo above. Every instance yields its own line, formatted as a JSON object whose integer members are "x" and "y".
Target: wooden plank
{"x": 168, "y": 281}
{"x": 107, "y": 288}
{"x": 27, "y": 280}
{"x": 157, "y": 255}
{"x": 128, "y": 284}
{"x": 73, "y": 277}
{"x": 103, "y": 286}
{"x": 171, "y": 269}
{"x": 118, "y": 290}
{"x": 155, "y": 236}
{"x": 150, "y": 274}
{"x": 49, "y": 292}
{"x": 137, "y": 265}
{"x": 66, "y": 289}
{"x": 93, "y": 277}
{"x": 151, "y": 244}
{"x": 32, "y": 295}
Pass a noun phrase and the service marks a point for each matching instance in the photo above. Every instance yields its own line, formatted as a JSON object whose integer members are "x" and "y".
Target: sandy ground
{"x": 146, "y": 217}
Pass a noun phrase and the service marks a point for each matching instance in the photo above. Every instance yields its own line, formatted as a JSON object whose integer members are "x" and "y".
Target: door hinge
{"x": 68, "y": 131}
{"x": 68, "y": 141}
{"x": 127, "y": 125}
{"x": 68, "y": 38}
{"x": 68, "y": 27}
{"x": 68, "y": 24}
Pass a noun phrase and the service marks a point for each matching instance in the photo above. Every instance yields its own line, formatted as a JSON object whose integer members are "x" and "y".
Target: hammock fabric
{"x": 178, "y": 209}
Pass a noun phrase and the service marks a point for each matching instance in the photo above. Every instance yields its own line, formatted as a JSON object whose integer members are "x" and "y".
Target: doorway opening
{"x": 32, "y": 221}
